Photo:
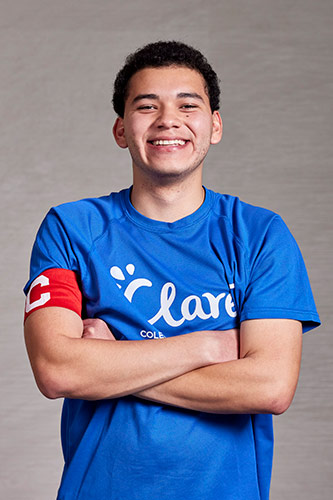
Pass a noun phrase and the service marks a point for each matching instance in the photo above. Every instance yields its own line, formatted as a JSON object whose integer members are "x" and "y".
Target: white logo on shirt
{"x": 133, "y": 285}
{"x": 191, "y": 307}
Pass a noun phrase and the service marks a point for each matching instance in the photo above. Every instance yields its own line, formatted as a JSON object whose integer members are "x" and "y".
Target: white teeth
{"x": 170, "y": 142}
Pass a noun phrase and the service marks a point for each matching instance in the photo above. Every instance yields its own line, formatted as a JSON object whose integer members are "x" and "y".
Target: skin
{"x": 260, "y": 376}
{"x": 251, "y": 371}
{"x": 167, "y": 103}
{"x": 68, "y": 362}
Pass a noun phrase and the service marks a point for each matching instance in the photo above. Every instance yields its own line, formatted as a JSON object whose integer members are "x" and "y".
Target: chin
{"x": 170, "y": 176}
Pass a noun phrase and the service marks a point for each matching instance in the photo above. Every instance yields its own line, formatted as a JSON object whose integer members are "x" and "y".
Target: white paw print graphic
{"x": 133, "y": 285}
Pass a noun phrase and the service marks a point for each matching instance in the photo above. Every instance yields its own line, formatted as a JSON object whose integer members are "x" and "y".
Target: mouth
{"x": 168, "y": 142}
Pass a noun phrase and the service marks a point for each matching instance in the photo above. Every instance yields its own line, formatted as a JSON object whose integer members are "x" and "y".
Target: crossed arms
{"x": 254, "y": 370}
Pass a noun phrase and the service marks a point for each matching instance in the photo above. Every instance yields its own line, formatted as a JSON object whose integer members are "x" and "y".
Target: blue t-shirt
{"x": 225, "y": 263}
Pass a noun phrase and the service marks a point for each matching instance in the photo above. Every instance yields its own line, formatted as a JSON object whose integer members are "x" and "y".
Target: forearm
{"x": 98, "y": 369}
{"x": 231, "y": 387}
{"x": 85, "y": 368}
{"x": 263, "y": 380}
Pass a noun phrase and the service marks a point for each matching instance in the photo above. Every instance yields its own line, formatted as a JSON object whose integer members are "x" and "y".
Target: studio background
{"x": 58, "y": 63}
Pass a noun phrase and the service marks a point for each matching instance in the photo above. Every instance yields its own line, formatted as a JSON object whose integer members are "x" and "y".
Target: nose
{"x": 168, "y": 118}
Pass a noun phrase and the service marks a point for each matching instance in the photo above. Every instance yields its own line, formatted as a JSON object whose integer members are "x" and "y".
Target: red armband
{"x": 54, "y": 287}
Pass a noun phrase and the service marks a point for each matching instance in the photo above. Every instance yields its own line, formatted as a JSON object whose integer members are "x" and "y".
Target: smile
{"x": 169, "y": 142}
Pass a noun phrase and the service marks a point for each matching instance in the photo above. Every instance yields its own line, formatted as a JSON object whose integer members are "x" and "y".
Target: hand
{"x": 95, "y": 328}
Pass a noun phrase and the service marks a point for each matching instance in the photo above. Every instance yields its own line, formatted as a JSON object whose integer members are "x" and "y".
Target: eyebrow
{"x": 145, "y": 96}
{"x": 191, "y": 95}
{"x": 155, "y": 97}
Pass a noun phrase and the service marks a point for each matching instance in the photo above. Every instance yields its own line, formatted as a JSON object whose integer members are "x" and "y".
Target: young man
{"x": 205, "y": 298}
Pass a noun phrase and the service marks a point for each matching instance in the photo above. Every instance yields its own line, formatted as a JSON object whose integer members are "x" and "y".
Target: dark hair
{"x": 159, "y": 54}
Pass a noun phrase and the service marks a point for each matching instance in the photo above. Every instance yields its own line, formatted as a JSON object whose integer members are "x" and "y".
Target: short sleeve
{"x": 52, "y": 248}
{"x": 54, "y": 288}
{"x": 278, "y": 284}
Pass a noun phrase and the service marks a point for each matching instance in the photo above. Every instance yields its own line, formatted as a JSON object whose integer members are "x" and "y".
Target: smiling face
{"x": 168, "y": 125}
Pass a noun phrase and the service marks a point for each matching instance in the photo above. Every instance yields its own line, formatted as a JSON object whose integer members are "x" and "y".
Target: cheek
{"x": 202, "y": 129}
{"x": 134, "y": 132}
{"x": 135, "y": 141}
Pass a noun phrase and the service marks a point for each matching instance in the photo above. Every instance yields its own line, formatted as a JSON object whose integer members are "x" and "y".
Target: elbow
{"x": 280, "y": 405}
{"x": 56, "y": 382}
{"x": 49, "y": 382}
{"x": 48, "y": 388}
{"x": 48, "y": 391}
{"x": 279, "y": 399}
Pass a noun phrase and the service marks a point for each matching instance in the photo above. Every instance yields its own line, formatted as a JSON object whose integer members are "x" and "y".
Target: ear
{"x": 119, "y": 132}
{"x": 217, "y": 128}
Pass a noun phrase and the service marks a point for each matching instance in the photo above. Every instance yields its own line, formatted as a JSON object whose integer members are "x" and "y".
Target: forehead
{"x": 166, "y": 81}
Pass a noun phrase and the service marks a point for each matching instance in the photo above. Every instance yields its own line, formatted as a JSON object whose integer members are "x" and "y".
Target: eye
{"x": 189, "y": 106}
{"x": 146, "y": 107}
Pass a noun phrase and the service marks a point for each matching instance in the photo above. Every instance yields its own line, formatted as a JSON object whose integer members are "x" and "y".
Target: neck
{"x": 167, "y": 203}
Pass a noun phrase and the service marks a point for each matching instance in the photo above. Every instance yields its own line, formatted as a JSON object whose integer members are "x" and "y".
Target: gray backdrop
{"x": 59, "y": 59}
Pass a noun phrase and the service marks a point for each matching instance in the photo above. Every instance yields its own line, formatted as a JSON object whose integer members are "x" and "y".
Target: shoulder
{"x": 90, "y": 215}
{"x": 104, "y": 206}
{"x": 69, "y": 231}
{"x": 236, "y": 210}
{"x": 247, "y": 222}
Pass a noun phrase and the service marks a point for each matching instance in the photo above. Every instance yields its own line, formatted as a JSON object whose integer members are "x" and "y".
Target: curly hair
{"x": 161, "y": 54}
